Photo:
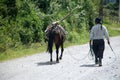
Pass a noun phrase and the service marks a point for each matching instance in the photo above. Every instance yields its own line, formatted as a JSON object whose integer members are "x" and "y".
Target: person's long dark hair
{"x": 101, "y": 26}
{"x": 98, "y": 21}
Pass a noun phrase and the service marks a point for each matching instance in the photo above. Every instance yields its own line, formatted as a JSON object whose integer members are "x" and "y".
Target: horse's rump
{"x": 52, "y": 31}
{"x": 59, "y": 31}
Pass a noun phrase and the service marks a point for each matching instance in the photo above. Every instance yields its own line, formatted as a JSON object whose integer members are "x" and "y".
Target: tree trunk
{"x": 101, "y": 9}
{"x": 119, "y": 10}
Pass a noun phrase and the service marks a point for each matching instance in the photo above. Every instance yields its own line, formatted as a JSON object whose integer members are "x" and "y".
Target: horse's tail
{"x": 50, "y": 42}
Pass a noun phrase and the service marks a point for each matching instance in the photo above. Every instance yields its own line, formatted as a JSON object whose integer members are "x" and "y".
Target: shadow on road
{"x": 46, "y": 63}
{"x": 88, "y": 65}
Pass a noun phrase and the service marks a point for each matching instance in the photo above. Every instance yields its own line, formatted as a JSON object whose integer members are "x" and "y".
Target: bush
{"x": 73, "y": 37}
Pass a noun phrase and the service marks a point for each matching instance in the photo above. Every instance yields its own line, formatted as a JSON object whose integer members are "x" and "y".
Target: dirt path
{"x": 71, "y": 67}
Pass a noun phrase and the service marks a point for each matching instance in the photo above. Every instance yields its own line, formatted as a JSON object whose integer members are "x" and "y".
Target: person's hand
{"x": 108, "y": 42}
{"x": 91, "y": 46}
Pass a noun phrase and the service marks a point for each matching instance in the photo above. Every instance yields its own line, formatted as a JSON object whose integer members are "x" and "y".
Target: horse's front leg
{"x": 51, "y": 57}
{"x": 62, "y": 49}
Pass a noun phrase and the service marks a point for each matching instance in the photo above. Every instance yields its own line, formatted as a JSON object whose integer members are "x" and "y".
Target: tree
{"x": 101, "y": 9}
{"x": 119, "y": 10}
{"x": 89, "y": 13}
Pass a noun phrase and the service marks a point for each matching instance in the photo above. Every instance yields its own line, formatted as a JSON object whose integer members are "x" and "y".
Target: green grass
{"x": 114, "y": 32}
{"x": 113, "y": 29}
{"x": 22, "y": 51}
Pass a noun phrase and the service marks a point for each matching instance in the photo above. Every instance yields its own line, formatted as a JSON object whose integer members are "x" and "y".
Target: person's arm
{"x": 107, "y": 36}
{"x": 91, "y": 34}
{"x": 91, "y": 38}
{"x": 91, "y": 44}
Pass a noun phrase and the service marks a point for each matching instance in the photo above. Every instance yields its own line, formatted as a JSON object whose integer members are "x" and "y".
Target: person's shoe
{"x": 96, "y": 61}
{"x": 100, "y": 62}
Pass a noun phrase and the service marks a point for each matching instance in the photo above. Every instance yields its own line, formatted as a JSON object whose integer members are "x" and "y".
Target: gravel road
{"x": 73, "y": 66}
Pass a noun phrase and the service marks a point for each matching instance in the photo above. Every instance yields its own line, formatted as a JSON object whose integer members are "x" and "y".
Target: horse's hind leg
{"x": 51, "y": 55}
{"x": 62, "y": 49}
{"x": 57, "y": 52}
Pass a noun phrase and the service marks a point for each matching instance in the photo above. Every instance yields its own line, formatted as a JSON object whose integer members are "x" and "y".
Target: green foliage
{"x": 23, "y": 26}
{"x": 22, "y": 22}
{"x": 113, "y": 6}
{"x": 89, "y": 13}
{"x": 111, "y": 11}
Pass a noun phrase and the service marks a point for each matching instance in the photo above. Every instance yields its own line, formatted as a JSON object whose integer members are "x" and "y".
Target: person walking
{"x": 97, "y": 34}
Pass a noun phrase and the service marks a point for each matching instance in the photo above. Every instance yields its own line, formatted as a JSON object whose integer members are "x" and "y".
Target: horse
{"x": 56, "y": 36}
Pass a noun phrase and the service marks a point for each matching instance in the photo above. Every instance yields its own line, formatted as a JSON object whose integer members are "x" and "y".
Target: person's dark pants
{"x": 98, "y": 48}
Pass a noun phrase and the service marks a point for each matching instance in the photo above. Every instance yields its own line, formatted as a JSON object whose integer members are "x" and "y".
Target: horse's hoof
{"x": 100, "y": 65}
{"x": 51, "y": 60}
{"x": 57, "y": 61}
{"x": 60, "y": 58}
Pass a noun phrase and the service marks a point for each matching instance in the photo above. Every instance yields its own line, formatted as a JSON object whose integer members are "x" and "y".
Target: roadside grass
{"x": 113, "y": 29}
{"x": 22, "y": 51}
{"x": 35, "y": 48}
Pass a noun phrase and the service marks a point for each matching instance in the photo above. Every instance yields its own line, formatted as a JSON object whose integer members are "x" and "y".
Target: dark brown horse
{"x": 55, "y": 36}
